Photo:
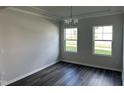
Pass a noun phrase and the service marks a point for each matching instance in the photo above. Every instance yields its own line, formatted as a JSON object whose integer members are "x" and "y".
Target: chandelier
{"x": 71, "y": 20}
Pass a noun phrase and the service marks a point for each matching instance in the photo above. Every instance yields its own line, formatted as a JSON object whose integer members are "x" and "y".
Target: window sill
{"x": 70, "y": 52}
{"x": 102, "y": 55}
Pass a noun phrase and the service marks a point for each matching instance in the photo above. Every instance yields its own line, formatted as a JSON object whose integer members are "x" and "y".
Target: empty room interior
{"x": 61, "y": 46}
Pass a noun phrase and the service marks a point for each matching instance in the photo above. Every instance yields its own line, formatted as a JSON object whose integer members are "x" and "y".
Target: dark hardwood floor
{"x": 67, "y": 74}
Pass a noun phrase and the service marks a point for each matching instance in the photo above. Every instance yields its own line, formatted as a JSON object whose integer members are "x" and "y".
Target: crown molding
{"x": 43, "y": 13}
{"x": 90, "y": 14}
{"x": 96, "y": 14}
{"x": 34, "y": 11}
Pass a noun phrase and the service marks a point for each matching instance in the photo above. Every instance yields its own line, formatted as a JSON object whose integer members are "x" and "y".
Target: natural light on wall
{"x": 102, "y": 40}
{"x": 70, "y": 35}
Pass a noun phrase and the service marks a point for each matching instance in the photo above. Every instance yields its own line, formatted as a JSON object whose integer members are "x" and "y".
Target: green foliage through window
{"x": 103, "y": 40}
{"x": 71, "y": 39}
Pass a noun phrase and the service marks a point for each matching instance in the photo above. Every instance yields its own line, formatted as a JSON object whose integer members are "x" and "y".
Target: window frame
{"x": 93, "y": 41}
{"x": 65, "y": 40}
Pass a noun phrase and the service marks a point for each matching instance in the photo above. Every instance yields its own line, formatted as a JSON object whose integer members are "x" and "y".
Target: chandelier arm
{"x": 70, "y": 21}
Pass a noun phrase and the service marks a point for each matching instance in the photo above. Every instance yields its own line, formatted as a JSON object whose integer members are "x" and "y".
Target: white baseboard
{"x": 68, "y": 61}
{"x": 123, "y": 78}
{"x": 25, "y": 75}
{"x": 85, "y": 64}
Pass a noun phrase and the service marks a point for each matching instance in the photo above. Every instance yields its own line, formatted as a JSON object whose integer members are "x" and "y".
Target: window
{"x": 102, "y": 40}
{"x": 70, "y": 39}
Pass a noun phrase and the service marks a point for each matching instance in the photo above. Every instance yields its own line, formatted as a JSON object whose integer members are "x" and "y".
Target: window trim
{"x": 93, "y": 40}
{"x": 65, "y": 40}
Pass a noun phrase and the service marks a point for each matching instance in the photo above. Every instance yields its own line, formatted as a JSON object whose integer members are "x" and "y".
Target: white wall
{"x": 85, "y": 55}
{"x": 27, "y": 43}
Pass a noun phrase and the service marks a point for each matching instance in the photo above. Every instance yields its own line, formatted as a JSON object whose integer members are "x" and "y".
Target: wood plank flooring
{"x": 67, "y": 74}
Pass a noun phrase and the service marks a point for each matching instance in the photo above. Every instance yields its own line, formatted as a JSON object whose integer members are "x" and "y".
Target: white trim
{"x": 96, "y": 15}
{"x": 33, "y": 11}
{"x": 96, "y": 66}
{"x": 123, "y": 78}
{"x": 27, "y": 74}
{"x": 45, "y": 13}
{"x": 65, "y": 39}
{"x": 93, "y": 40}
{"x": 105, "y": 12}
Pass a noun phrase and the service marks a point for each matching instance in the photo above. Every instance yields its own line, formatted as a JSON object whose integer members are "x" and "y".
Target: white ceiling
{"x": 64, "y": 11}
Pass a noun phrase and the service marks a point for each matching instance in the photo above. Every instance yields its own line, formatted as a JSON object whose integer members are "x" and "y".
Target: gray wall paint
{"x": 84, "y": 54}
{"x": 123, "y": 53}
{"x": 27, "y": 43}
